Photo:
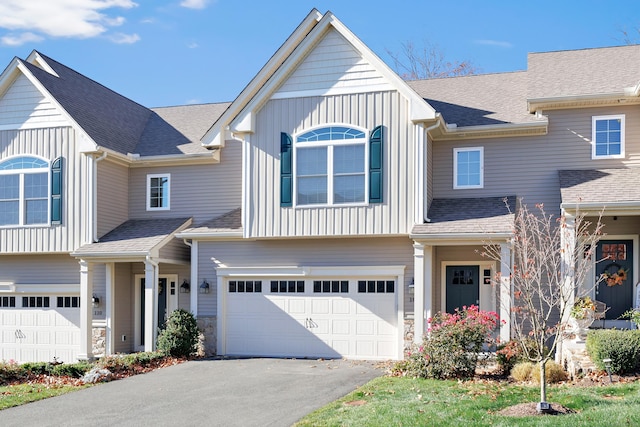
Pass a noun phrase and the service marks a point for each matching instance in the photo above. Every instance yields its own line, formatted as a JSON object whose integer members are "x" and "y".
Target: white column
{"x": 422, "y": 289}
{"x": 86, "y": 311}
{"x": 568, "y": 244}
{"x": 505, "y": 292}
{"x": 194, "y": 279}
{"x": 109, "y": 307}
{"x": 150, "y": 304}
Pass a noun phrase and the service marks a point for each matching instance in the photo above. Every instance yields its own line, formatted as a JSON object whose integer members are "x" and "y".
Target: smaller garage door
{"x": 39, "y": 328}
{"x": 312, "y": 318}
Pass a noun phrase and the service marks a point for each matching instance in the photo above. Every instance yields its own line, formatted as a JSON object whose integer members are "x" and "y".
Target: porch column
{"x": 86, "y": 311}
{"x": 422, "y": 289}
{"x": 194, "y": 279}
{"x": 150, "y": 304}
{"x": 505, "y": 292}
{"x": 109, "y": 307}
{"x": 568, "y": 244}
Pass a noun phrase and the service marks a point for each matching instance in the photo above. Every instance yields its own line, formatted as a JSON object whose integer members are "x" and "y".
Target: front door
{"x": 167, "y": 301}
{"x": 462, "y": 286}
{"x": 616, "y": 270}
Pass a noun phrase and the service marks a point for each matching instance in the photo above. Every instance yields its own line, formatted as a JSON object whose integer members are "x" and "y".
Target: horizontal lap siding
{"x": 23, "y": 105}
{"x": 309, "y": 252}
{"x": 366, "y": 110}
{"x": 113, "y": 196}
{"x": 199, "y": 191}
{"x": 50, "y": 144}
{"x": 123, "y": 306}
{"x": 528, "y": 166}
{"x": 40, "y": 270}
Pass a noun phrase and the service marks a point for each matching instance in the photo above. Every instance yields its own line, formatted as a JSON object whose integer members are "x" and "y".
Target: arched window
{"x": 24, "y": 191}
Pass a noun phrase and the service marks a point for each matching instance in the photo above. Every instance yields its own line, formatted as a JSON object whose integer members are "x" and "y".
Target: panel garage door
{"x": 355, "y": 319}
{"x": 39, "y": 328}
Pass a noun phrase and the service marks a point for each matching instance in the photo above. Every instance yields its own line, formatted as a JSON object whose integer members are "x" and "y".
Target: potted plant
{"x": 582, "y": 316}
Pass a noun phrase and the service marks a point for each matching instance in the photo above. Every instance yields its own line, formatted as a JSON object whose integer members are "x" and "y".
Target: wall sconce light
{"x": 412, "y": 286}
{"x": 204, "y": 287}
{"x": 95, "y": 301}
{"x": 185, "y": 288}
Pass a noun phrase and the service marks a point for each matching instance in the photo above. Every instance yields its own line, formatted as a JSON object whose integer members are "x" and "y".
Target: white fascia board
{"x": 225, "y": 235}
{"x": 315, "y": 271}
{"x": 170, "y": 236}
{"x": 610, "y": 208}
{"x": 559, "y": 102}
{"x": 215, "y": 135}
{"x": 8, "y": 75}
{"x": 36, "y": 59}
{"x": 489, "y": 131}
{"x": 212, "y": 156}
{"x": 461, "y": 238}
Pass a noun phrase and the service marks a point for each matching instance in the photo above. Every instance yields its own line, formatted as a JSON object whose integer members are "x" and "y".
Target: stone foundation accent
{"x": 408, "y": 334}
{"x": 575, "y": 360}
{"x": 99, "y": 341}
{"x": 208, "y": 334}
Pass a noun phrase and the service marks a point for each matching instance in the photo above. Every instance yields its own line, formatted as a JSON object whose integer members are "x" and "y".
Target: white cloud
{"x": 20, "y": 39}
{"x": 193, "y": 101}
{"x": 60, "y": 18}
{"x": 192, "y": 45}
{"x": 496, "y": 43}
{"x": 194, "y": 4}
{"x": 121, "y": 38}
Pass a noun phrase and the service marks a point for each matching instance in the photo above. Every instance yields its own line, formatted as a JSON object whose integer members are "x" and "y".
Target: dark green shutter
{"x": 286, "y": 169}
{"x": 56, "y": 191}
{"x": 375, "y": 166}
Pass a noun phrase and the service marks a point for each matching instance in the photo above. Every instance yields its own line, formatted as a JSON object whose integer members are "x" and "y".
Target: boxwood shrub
{"x": 621, "y": 346}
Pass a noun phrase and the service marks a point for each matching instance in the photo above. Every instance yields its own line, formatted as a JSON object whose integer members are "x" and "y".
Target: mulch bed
{"x": 529, "y": 409}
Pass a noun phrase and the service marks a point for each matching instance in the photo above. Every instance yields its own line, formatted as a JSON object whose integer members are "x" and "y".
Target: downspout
{"x": 425, "y": 170}
{"x": 94, "y": 199}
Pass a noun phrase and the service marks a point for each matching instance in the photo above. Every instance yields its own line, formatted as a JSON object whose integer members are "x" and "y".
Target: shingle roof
{"x": 484, "y": 99}
{"x": 471, "y": 215}
{"x": 133, "y": 237}
{"x": 228, "y": 222}
{"x": 192, "y": 120}
{"x": 600, "y": 185}
{"x": 583, "y": 72}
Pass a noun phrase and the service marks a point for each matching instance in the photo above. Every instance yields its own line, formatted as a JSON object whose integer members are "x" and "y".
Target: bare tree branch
{"x": 427, "y": 62}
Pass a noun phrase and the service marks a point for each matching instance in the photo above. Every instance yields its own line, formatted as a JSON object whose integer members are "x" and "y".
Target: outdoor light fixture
{"x": 204, "y": 287}
{"x": 95, "y": 301}
{"x": 412, "y": 286}
{"x": 185, "y": 288}
{"x": 607, "y": 365}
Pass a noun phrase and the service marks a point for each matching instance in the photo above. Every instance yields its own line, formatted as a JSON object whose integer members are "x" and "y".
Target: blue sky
{"x": 175, "y": 52}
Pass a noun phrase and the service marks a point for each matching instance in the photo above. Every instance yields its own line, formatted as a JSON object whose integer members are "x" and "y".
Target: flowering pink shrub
{"x": 452, "y": 343}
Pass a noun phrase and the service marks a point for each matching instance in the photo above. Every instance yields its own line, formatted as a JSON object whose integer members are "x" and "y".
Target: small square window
{"x": 607, "y": 137}
{"x": 468, "y": 167}
{"x": 158, "y": 192}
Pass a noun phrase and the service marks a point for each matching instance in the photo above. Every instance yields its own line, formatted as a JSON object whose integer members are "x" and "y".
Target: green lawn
{"x": 393, "y": 401}
{"x": 20, "y": 394}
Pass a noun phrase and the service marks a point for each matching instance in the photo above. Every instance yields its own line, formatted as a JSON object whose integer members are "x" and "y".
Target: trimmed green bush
{"x": 129, "y": 363}
{"x": 74, "y": 370}
{"x": 622, "y": 347}
{"x": 180, "y": 336}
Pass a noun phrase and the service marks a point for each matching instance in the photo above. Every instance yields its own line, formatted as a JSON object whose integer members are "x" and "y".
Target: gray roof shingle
{"x": 134, "y": 236}
{"x": 471, "y": 215}
{"x": 228, "y": 222}
{"x": 600, "y": 185}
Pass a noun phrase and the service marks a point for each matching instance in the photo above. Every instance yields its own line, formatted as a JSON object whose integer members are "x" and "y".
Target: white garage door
{"x": 39, "y": 328}
{"x": 355, "y": 319}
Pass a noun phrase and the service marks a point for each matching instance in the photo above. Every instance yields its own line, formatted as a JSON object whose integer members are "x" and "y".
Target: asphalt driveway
{"x": 236, "y": 392}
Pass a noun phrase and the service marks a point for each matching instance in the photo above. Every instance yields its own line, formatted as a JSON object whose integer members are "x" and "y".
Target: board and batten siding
{"x": 375, "y": 251}
{"x": 112, "y": 197}
{"x": 266, "y": 218}
{"x": 528, "y": 166}
{"x": 333, "y": 63}
{"x": 23, "y": 106}
{"x": 49, "y": 143}
{"x": 203, "y": 192}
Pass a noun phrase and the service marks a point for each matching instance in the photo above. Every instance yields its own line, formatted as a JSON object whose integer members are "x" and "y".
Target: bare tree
{"x": 427, "y": 62}
{"x": 630, "y": 37}
{"x": 551, "y": 259}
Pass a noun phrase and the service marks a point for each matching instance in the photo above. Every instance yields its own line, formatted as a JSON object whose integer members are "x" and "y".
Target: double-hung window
{"x": 468, "y": 167}
{"x": 24, "y": 191}
{"x": 331, "y": 166}
{"x": 158, "y": 192}
{"x": 607, "y": 136}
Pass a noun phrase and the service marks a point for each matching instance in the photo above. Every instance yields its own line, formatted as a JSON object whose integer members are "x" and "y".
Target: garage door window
{"x": 8, "y": 302}
{"x": 35, "y": 302}
{"x": 68, "y": 302}
{"x": 245, "y": 286}
{"x": 331, "y": 286}
{"x": 287, "y": 286}
{"x": 376, "y": 286}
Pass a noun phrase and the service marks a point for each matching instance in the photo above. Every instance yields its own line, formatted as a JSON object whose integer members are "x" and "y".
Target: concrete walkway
{"x": 240, "y": 392}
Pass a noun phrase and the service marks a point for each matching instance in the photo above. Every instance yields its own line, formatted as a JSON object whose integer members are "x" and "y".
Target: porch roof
{"x": 226, "y": 225}
{"x": 135, "y": 237}
{"x": 602, "y": 186}
{"x": 471, "y": 217}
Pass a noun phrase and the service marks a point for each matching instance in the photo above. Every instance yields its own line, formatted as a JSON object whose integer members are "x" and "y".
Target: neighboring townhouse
{"x": 328, "y": 211}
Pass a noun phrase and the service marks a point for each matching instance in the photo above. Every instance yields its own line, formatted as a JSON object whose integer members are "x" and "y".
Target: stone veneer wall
{"x": 99, "y": 341}
{"x": 208, "y": 333}
{"x": 408, "y": 334}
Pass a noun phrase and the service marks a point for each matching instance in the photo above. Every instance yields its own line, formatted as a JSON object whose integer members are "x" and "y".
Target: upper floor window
{"x": 468, "y": 167}
{"x": 158, "y": 190}
{"x": 330, "y": 165}
{"x": 24, "y": 191}
{"x": 607, "y": 136}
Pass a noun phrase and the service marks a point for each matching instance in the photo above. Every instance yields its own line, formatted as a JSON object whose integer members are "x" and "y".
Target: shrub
{"x": 74, "y": 370}
{"x": 450, "y": 350}
{"x": 129, "y": 363}
{"x": 507, "y": 355}
{"x": 11, "y": 371}
{"x": 553, "y": 372}
{"x": 180, "y": 336}
{"x": 622, "y": 347}
{"x": 522, "y": 371}
{"x": 37, "y": 368}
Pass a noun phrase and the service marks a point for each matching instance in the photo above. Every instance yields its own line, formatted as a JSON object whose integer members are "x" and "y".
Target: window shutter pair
{"x": 375, "y": 168}
{"x": 56, "y": 191}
